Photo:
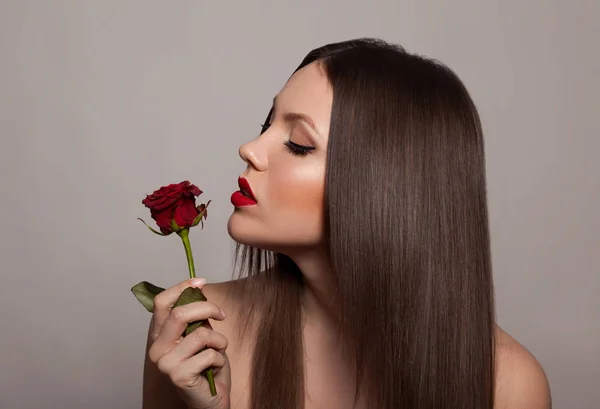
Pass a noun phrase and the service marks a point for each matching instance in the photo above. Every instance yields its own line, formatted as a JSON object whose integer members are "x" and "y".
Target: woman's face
{"x": 286, "y": 169}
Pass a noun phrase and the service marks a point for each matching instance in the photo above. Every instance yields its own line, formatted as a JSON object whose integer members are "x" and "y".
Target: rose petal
{"x": 163, "y": 220}
{"x": 174, "y": 201}
{"x": 186, "y": 213}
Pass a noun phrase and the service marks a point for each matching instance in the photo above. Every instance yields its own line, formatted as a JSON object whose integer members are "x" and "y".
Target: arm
{"x": 158, "y": 390}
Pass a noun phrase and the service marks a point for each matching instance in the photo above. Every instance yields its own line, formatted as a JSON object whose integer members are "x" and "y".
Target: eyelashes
{"x": 299, "y": 150}
{"x": 294, "y": 148}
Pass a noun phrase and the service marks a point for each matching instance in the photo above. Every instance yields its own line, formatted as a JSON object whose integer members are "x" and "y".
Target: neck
{"x": 319, "y": 299}
{"x": 322, "y": 334}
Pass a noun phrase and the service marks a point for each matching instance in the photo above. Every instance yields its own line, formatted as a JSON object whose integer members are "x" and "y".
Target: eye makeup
{"x": 294, "y": 148}
{"x": 299, "y": 150}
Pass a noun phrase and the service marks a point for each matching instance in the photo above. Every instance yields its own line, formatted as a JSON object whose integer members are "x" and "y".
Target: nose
{"x": 251, "y": 153}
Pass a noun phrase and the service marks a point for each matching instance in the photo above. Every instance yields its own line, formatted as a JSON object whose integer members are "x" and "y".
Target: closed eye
{"x": 299, "y": 150}
{"x": 293, "y": 147}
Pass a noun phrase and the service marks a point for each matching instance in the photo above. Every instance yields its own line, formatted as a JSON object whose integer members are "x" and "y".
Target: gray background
{"x": 102, "y": 102}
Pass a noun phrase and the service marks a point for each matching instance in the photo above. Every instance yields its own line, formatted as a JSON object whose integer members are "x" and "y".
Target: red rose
{"x": 173, "y": 207}
{"x": 175, "y": 202}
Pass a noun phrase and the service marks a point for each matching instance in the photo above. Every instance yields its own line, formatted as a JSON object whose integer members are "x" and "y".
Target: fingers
{"x": 185, "y": 314}
{"x": 177, "y": 322}
{"x": 198, "y": 340}
{"x": 188, "y": 374}
{"x": 164, "y": 301}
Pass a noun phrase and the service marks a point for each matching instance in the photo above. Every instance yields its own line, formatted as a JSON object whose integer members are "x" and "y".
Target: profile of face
{"x": 286, "y": 170}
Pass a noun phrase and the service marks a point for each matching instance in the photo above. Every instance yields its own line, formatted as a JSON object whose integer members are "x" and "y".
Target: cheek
{"x": 298, "y": 189}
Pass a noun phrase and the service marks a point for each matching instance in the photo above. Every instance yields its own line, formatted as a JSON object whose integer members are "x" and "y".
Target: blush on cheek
{"x": 299, "y": 195}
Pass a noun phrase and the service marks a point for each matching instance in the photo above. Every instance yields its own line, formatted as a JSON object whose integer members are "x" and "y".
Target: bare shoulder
{"x": 221, "y": 295}
{"x": 520, "y": 379}
{"x": 226, "y": 295}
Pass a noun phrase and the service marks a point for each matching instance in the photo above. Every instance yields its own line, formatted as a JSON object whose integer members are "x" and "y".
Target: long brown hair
{"x": 408, "y": 239}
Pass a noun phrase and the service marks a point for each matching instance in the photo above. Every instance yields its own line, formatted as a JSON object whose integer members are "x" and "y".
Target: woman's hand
{"x": 178, "y": 357}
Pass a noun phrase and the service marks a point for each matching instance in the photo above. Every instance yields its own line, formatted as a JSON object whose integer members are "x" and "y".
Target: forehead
{"x": 308, "y": 92}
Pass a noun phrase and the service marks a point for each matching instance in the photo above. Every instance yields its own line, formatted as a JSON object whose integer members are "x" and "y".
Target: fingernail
{"x": 223, "y": 313}
{"x": 197, "y": 282}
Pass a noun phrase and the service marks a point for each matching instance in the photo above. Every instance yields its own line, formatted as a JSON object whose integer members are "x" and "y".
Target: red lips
{"x": 244, "y": 196}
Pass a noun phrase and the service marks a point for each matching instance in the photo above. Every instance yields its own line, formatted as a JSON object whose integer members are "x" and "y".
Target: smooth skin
{"x": 288, "y": 217}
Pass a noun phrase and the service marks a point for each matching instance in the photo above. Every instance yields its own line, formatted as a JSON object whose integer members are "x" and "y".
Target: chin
{"x": 244, "y": 231}
{"x": 254, "y": 232}
{"x": 250, "y": 232}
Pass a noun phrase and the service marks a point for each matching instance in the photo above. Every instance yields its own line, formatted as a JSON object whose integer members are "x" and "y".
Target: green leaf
{"x": 151, "y": 229}
{"x": 188, "y": 296}
{"x": 145, "y": 293}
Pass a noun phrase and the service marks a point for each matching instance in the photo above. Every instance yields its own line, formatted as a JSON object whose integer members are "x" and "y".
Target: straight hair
{"x": 408, "y": 240}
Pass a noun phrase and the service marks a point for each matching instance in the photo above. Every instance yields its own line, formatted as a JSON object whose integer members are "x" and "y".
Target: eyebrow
{"x": 296, "y": 117}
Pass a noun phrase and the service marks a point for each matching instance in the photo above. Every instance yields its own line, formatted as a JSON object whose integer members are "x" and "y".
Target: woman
{"x": 364, "y": 250}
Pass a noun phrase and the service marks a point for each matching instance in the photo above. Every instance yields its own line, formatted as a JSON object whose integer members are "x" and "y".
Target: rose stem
{"x": 184, "y": 234}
